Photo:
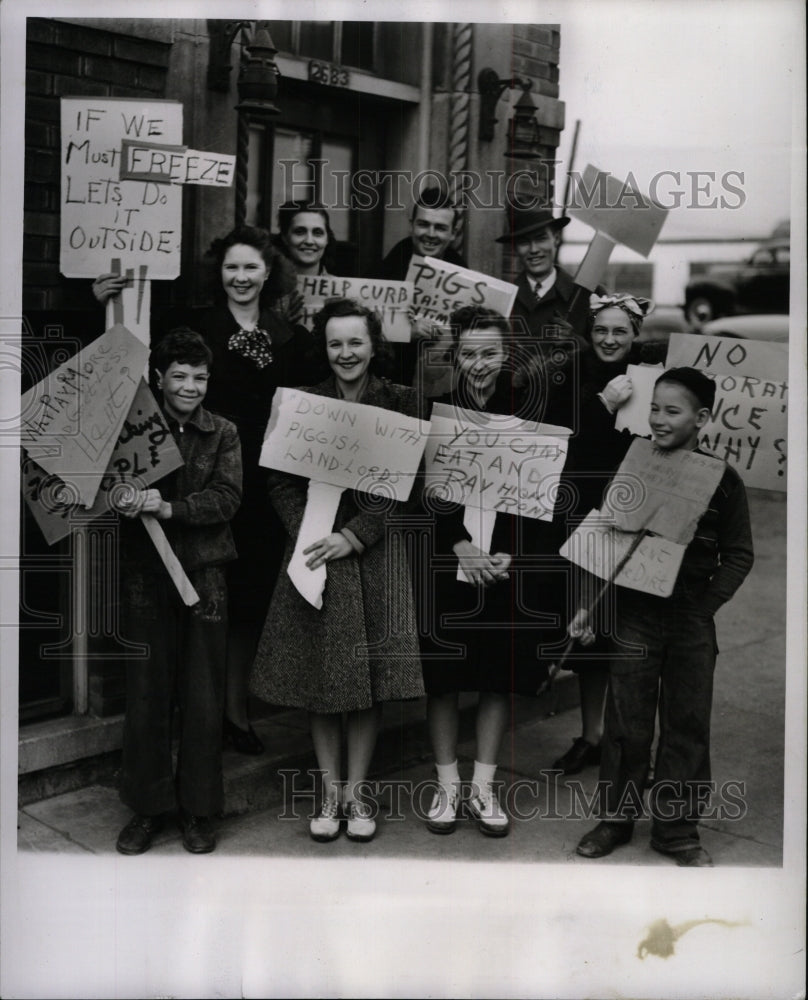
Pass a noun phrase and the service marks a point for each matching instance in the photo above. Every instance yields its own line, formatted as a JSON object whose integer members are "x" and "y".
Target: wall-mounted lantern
{"x": 258, "y": 77}
{"x": 523, "y": 129}
{"x": 491, "y": 88}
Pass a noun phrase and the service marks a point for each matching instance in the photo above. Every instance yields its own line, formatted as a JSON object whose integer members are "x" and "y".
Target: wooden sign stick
{"x": 172, "y": 564}
{"x": 554, "y": 668}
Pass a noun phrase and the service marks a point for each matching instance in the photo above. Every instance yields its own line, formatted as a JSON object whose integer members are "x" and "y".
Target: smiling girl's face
{"x": 349, "y": 349}
{"x": 480, "y": 357}
{"x": 306, "y": 240}
{"x": 244, "y": 272}
{"x": 612, "y": 335}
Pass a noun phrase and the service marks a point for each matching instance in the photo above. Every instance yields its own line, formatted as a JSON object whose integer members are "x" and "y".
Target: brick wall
{"x": 70, "y": 60}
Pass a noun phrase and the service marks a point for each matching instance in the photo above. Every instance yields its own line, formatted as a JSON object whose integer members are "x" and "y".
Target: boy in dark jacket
{"x": 677, "y": 634}
{"x": 187, "y": 646}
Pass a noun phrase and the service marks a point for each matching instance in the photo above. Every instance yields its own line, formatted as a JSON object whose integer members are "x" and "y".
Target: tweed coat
{"x": 361, "y": 647}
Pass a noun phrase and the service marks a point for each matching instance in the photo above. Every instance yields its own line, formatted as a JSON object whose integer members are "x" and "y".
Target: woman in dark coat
{"x": 255, "y": 350}
{"x": 482, "y": 635}
{"x": 614, "y": 325}
{"x": 344, "y": 657}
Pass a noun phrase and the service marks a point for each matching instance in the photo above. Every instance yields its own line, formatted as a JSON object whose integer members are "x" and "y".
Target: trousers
{"x": 673, "y": 671}
{"x": 184, "y": 668}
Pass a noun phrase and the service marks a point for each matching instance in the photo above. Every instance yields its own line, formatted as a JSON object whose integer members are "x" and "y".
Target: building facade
{"x": 367, "y": 114}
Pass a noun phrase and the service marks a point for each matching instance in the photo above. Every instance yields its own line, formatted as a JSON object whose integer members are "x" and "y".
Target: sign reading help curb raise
{"x": 441, "y": 288}
{"x": 144, "y": 453}
{"x": 391, "y": 299}
{"x": 103, "y": 216}
{"x": 72, "y": 419}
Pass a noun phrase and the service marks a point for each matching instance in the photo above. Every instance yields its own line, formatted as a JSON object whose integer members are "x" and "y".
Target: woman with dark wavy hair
{"x": 344, "y": 657}
{"x": 305, "y": 236}
{"x": 255, "y": 349}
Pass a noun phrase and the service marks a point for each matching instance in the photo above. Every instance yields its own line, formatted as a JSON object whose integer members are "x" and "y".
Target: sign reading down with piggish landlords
{"x": 337, "y": 444}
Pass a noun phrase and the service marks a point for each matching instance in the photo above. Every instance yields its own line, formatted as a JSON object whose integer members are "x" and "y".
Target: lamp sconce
{"x": 523, "y": 129}
{"x": 491, "y": 89}
{"x": 258, "y": 72}
{"x": 258, "y": 76}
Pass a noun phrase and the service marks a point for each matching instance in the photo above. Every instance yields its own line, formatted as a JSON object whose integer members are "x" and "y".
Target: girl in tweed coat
{"x": 361, "y": 648}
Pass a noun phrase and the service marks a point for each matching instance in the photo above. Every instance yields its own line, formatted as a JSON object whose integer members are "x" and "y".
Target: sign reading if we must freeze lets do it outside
{"x": 138, "y": 222}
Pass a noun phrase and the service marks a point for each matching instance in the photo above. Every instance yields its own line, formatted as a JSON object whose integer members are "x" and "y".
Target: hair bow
{"x": 632, "y": 304}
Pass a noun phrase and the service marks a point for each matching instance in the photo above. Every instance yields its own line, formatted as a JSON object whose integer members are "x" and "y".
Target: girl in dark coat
{"x": 614, "y": 325}
{"x": 348, "y": 656}
{"x": 482, "y": 635}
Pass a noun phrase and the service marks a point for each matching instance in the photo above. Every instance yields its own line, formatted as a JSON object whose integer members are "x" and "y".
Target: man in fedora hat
{"x": 546, "y": 296}
{"x": 550, "y": 312}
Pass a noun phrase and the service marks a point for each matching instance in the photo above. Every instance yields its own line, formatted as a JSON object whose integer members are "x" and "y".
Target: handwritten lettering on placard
{"x": 391, "y": 299}
{"x": 748, "y": 427}
{"x": 346, "y": 444}
{"x": 167, "y": 164}
{"x": 441, "y": 288}
{"x": 71, "y": 420}
{"x": 663, "y": 491}
{"x": 597, "y": 546}
{"x": 494, "y": 463}
{"x": 144, "y": 453}
{"x": 102, "y": 216}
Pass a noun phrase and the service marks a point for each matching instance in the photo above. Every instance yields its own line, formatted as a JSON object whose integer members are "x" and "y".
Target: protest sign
{"x": 619, "y": 213}
{"x": 496, "y": 463}
{"x": 756, "y": 359}
{"x": 633, "y": 414}
{"x": 748, "y": 427}
{"x": 493, "y": 464}
{"x": 163, "y": 163}
{"x": 391, "y": 299}
{"x": 102, "y": 216}
{"x": 598, "y": 547}
{"x": 441, "y": 288}
{"x": 664, "y": 491}
{"x": 351, "y": 445}
{"x": 145, "y": 452}
{"x": 337, "y": 445}
{"x": 71, "y": 420}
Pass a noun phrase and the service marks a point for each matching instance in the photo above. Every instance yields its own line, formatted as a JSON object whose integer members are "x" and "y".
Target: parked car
{"x": 772, "y": 327}
{"x": 759, "y": 285}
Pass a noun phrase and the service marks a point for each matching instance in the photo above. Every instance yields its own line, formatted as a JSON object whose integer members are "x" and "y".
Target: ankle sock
{"x": 448, "y": 774}
{"x": 483, "y": 775}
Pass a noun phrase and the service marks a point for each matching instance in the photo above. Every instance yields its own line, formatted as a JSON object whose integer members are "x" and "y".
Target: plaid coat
{"x": 362, "y": 646}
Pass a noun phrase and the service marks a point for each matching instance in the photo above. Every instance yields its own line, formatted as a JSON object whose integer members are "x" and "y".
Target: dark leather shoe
{"x": 136, "y": 837}
{"x": 580, "y": 754}
{"x": 690, "y": 857}
{"x": 603, "y": 839}
{"x": 242, "y": 740}
{"x": 197, "y": 834}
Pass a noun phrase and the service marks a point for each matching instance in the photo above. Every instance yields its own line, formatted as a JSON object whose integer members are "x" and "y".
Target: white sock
{"x": 448, "y": 774}
{"x": 483, "y": 775}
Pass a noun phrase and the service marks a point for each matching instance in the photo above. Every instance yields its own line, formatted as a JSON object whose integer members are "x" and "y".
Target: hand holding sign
{"x": 337, "y": 445}
{"x": 493, "y": 464}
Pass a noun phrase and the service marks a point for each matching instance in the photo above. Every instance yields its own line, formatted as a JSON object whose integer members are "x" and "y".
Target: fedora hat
{"x": 522, "y": 222}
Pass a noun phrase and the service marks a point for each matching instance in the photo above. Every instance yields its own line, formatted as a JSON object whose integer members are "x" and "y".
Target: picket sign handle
{"x": 172, "y": 564}
{"x": 556, "y": 667}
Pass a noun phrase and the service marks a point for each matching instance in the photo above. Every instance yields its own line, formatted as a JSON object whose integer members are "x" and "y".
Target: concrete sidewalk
{"x": 748, "y": 750}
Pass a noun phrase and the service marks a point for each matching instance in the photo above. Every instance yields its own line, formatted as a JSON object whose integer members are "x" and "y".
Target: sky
{"x": 686, "y": 86}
